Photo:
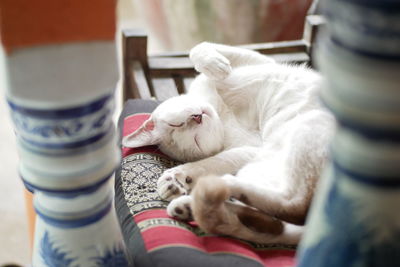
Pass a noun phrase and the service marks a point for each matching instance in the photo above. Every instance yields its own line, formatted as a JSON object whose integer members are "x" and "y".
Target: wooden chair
{"x": 163, "y": 76}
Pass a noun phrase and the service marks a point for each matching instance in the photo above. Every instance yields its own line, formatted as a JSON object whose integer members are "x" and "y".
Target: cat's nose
{"x": 197, "y": 118}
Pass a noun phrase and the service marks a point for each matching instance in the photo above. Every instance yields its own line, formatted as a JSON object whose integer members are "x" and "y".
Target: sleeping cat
{"x": 255, "y": 138}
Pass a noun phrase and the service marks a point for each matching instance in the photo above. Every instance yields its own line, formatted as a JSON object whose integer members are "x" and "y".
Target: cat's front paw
{"x": 173, "y": 183}
{"x": 208, "y": 61}
{"x": 181, "y": 208}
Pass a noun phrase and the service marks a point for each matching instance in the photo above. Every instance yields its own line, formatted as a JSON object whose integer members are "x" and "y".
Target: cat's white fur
{"x": 250, "y": 129}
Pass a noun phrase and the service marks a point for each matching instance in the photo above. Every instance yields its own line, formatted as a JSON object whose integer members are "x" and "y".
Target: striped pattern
{"x": 355, "y": 219}
{"x": 60, "y": 129}
{"x": 159, "y": 231}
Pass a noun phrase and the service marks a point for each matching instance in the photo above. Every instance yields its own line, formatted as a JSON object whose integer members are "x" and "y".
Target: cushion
{"x": 152, "y": 237}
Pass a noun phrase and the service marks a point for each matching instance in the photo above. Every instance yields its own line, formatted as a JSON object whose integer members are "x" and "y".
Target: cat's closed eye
{"x": 176, "y": 126}
{"x": 197, "y": 118}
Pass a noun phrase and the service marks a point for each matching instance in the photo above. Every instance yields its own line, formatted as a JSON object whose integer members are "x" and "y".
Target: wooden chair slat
{"x": 171, "y": 54}
{"x": 170, "y": 66}
{"x": 278, "y": 47}
{"x": 187, "y": 82}
{"x": 263, "y": 48}
{"x": 164, "y": 88}
{"x": 162, "y": 73}
{"x": 139, "y": 85}
{"x": 170, "y": 63}
{"x": 179, "y": 83}
{"x": 292, "y": 58}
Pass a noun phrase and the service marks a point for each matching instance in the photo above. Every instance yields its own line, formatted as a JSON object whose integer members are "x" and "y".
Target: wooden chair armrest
{"x": 138, "y": 82}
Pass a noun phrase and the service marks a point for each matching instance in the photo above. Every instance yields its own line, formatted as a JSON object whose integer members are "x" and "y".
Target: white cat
{"x": 252, "y": 130}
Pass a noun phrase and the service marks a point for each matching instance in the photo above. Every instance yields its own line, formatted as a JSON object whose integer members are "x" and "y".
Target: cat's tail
{"x": 216, "y": 214}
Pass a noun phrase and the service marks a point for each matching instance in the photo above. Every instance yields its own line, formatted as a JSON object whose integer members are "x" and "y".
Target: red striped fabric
{"x": 158, "y": 237}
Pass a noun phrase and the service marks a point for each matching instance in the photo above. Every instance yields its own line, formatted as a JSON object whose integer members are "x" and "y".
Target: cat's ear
{"x": 144, "y": 136}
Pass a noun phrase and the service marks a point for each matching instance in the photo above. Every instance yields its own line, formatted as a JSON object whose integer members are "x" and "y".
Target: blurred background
{"x": 180, "y": 24}
{"x": 172, "y": 25}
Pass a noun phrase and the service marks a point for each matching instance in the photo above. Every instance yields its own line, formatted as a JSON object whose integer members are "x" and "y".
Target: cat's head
{"x": 184, "y": 128}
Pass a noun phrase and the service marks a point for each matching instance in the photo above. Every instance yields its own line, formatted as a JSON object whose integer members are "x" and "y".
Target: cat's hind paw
{"x": 181, "y": 208}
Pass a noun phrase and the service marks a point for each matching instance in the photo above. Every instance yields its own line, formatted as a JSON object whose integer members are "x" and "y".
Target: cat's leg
{"x": 290, "y": 205}
{"x": 216, "y": 61}
{"x": 215, "y": 214}
{"x": 180, "y": 180}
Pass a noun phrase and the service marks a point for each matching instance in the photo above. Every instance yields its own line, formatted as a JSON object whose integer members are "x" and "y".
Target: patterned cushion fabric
{"x": 155, "y": 239}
